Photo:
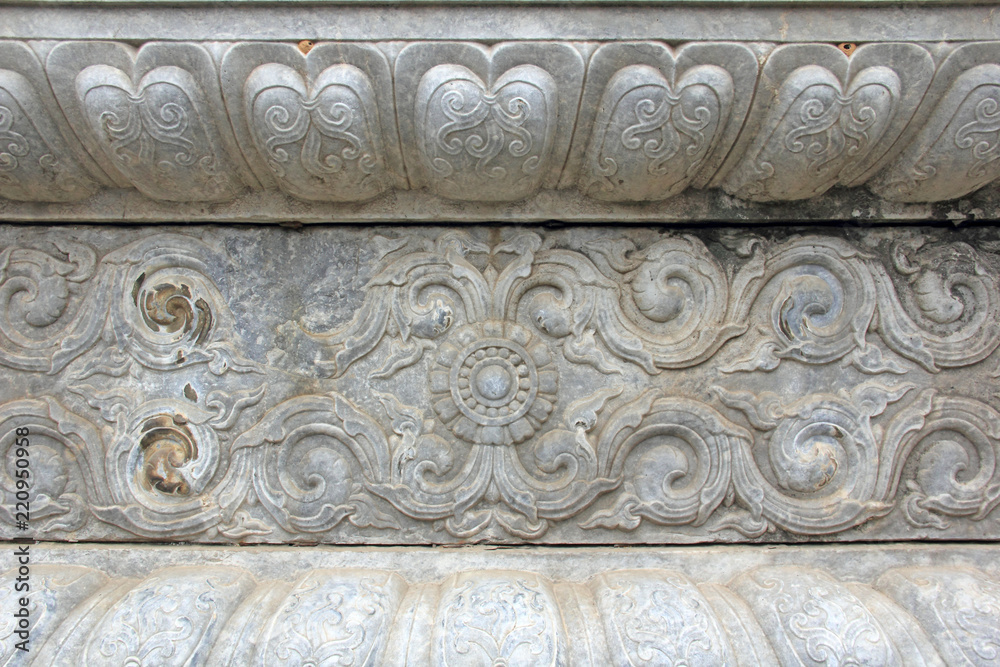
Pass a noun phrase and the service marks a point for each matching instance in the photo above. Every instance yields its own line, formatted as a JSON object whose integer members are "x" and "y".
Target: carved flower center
{"x": 494, "y": 381}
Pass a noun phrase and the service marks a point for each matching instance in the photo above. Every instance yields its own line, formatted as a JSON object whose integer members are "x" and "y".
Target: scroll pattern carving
{"x": 929, "y": 615}
{"x": 523, "y": 387}
{"x": 502, "y": 123}
{"x": 652, "y": 139}
{"x": 320, "y": 142}
{"x": 34, "y": 163}
{"x": 956, "y": 149}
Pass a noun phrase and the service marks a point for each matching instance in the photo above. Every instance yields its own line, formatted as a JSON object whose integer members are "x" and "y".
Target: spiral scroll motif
{"x": 953, "y": 443}
{"x": 947, "y": 311}
{"x": 818, "y": 471}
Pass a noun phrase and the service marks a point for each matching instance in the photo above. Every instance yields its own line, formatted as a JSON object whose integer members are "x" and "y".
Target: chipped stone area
{"x": 913, "y": 605}
{"x": 581, "y": 385}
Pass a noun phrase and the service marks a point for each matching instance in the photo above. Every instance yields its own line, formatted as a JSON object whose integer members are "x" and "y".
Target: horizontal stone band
{"x": 570, "y": 130}
{"x": 436, "y": 385}
{"x": 739, "y": 606}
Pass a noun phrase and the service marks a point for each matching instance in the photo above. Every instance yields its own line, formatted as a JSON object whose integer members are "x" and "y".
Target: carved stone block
{"x": 428, "y": 385}
{"x": 487, "y": 124}
{"x": 699, "y": 606}
{"x": 153, "y": 117}
{"x": 321, "y": 123}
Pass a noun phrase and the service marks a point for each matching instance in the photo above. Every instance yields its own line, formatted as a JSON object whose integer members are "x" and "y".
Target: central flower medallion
{"x": 494, "y": 384}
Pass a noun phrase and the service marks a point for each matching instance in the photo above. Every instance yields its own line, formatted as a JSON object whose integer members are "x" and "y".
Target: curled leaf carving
{"x": 954, "y": 443}
{"x": 486, "y": 142}
{"x": 942, "y": 310}
{"x": 652, "y": 137}
{"x": 817, "y": 470}
{"x": 321, "y": 140}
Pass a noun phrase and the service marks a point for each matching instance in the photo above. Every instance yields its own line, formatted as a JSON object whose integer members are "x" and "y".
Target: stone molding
{"x": 730, "y": 605}
{"x": 444, "y": 130}
{"x": 421, "y": 385}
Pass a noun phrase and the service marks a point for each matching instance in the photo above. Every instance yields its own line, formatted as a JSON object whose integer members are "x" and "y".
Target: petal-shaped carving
{"x": 171, "y": 617}
{"x": 498, "y": 618}
{"x": 831, "y": 120}
{"x": 54, "y": 591}
{"x": 957, "y": 149}
{"x": 154, "y": 116}
{"x": 319, "y": 125}
{"x": 485, "y": 143}
{"x": 487, "y": 124}
{"x": 959, "y": 608}
{"x": 658, "y": 617}
{"x": 662, "y": 120}
{"x": 37, "y": 163}
{"x": 318, "y": 143}
{"x": 333, "y": 617}
{"x": 812, "y": 619}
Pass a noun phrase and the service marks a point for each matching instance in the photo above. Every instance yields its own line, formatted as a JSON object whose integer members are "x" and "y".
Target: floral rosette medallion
{"x": 493, "y": 384}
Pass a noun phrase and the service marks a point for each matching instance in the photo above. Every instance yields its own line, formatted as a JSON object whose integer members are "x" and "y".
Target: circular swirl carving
{"x": 494, "y": 384}
{"x": 63, "y": 462}
{"x": 679, "y": 290}
{"x": 170, "y": 309}
{"x": 949, "y": 444}
{"x": 677, "y": 463}
{"x": 167, "y": 446}
{"x": 822, "y": 299}
{"x": 167, "y": 457}
{"x": 948, "y": 314}
{"x": 819, "y": 470}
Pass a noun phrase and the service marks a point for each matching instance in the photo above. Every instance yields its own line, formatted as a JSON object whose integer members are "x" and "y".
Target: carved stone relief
{"x": 829, "y": 119}
{"x": 319, "y": 124}
{"x": 343, "y": 128}
{"x": 152, "y": 116}
{"x": 487, "y": 124}
{"x": 833, "y": 605}
{"x": 499, "y": 384}
{"x": 956, "y": 148}
{"x": 666, "y": 120}
{"x": 37, "y": 163}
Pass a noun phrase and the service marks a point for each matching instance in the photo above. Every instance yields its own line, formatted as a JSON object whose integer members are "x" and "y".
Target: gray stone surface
{"x": 414, "y": 385}
{"x": 512, "y": 130}
{"x": 115, "y": 605}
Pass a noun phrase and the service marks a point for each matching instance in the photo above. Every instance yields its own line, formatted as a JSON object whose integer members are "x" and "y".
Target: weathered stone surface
{"x": 429, "y": 385}
{"x": 570, "y": 130}
{"x": 533, "y": 606}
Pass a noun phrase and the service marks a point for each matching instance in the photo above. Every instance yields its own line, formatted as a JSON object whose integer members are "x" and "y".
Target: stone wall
{"x": 715, "y": 425}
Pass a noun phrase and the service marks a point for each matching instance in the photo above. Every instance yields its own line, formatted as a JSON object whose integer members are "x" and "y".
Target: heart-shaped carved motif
{"x": 958, "y": 150}
{"x": 814, "y": 130}
{"x": 156, "y": 133}
{"x": 29, "y": 167}
{"x": 651, "y": 137}
{"x": 320, "y": 142}
{"x": 485, "y": 143}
